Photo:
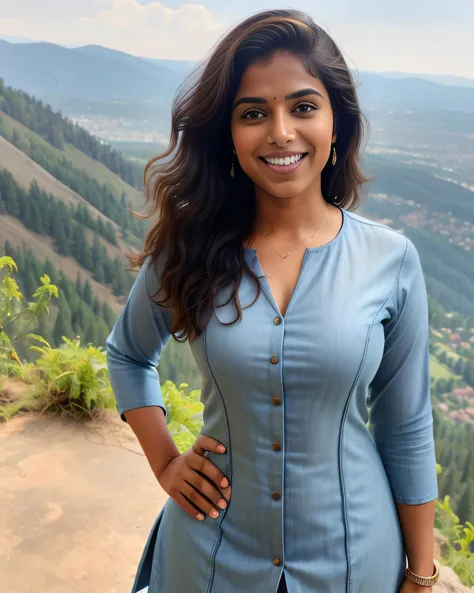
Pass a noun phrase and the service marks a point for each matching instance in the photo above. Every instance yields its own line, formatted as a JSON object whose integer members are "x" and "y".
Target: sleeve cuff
{"x": 416, "y": 501}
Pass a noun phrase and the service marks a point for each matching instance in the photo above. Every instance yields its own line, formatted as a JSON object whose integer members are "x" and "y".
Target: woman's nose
{"x": 281, "y": 131}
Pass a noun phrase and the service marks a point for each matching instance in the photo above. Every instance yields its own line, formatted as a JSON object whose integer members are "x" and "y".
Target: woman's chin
{"x": 284, "y": 189}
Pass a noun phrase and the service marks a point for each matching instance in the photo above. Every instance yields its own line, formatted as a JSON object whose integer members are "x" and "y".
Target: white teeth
{"x": 289, "y": 160}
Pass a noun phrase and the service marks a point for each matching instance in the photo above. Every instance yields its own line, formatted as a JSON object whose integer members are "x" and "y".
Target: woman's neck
{"x": 290, "y": 219}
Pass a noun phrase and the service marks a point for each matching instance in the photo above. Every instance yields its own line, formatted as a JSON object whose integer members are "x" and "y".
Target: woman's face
{"x": 282, "y": 112}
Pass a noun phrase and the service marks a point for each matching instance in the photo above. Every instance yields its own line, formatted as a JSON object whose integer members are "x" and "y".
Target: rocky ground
{"x": 78, "y": 501}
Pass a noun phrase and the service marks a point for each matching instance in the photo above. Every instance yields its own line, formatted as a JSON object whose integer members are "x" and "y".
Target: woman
{"x": 302, "y": 317}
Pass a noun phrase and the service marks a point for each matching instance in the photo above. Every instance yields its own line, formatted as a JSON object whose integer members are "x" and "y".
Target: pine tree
{"x": 88, "y": 259}
{"x": 62, "y": 240}
{"x": 30, "y": 283}
{"x": 92, "y": 332}
{"x": 88, "y": 296}
{"x": 96, "y": 305}
{"x": 108, "y": 315}
{"x": 103, "y": 332}
{"x": 63, "y": 325}
{"x": 468, "y": 473}
{"x": 79, "y": 288}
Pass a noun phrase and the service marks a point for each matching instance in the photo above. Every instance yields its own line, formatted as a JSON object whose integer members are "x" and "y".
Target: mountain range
{"x": 97, "y": 80}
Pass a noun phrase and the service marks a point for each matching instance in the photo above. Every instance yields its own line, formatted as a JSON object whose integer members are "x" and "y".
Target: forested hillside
{"x": 64, "y": 208}
{"x": 59, "y": 131}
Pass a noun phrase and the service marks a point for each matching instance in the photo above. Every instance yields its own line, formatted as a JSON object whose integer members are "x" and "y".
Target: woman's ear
{"x": 334, "y": 138}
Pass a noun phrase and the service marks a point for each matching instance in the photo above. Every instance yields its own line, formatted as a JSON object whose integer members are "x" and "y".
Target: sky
{"x": 419, "y": 36}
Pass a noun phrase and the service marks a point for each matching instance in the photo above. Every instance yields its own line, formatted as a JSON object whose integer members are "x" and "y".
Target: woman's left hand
{"x": 411, "y": 587}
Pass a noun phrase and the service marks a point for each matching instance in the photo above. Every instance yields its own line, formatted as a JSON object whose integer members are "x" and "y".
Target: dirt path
{"x": 78, "y": 502}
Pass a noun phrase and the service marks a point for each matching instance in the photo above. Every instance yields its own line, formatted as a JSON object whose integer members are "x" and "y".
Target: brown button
{"x": 276, "y": 446}
{"x": 276, "y": 401}
{"x": 274, "y": 360}
{"x": 276, "y": 495}
{"x": 277, "y": 562}
{"x": 277, "y": 320}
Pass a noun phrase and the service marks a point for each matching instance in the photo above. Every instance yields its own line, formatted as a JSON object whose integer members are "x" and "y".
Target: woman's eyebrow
{"x": 263, "y": 101}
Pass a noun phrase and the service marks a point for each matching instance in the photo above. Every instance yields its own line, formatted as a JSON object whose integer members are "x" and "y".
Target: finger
{"x": 196, "y": 499}
{"x": 187, "y": 507}
{"x": 204, "y": 443}
{"x": 207, "y": 488}
{"x": 211, "y": 471}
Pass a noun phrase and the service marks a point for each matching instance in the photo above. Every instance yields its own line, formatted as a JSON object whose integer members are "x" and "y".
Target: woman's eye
{"x": 252, "y": 114}
{"x": 305, "y": 108}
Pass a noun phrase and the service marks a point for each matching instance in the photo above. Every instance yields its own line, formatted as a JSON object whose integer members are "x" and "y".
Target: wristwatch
{"x": 423, "y": 581}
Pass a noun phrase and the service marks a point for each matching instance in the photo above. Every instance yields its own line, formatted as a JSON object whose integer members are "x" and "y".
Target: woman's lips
{"x": 283, "y": 169}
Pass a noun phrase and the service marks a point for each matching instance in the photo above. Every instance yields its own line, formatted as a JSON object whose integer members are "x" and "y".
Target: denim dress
{"x": 325, "y": 414}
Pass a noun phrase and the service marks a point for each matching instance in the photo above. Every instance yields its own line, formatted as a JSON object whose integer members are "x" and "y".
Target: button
{"x": 276, "y": 401}
{"x": 276, "y": 495}
{"x": 277, "y": 320}
{"x": 274, "y": 360}
{"x": 277, "y": 562}
{"x": 276, "y": 446}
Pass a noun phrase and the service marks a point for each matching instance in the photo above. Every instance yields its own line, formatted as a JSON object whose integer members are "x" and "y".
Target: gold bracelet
{"x": 423, "y": 581}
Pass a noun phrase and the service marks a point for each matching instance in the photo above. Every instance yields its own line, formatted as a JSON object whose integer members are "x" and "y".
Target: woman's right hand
{"x": 192, "y": 481}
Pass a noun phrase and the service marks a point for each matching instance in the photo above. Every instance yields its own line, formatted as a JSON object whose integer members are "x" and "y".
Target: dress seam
{"x": 342, "y": 479}
{"x": 344, "y": 483}
{"x": 218, "y": 538}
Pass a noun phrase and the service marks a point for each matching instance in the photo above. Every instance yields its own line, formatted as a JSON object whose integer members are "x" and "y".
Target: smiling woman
{"x": 303, "y": 318}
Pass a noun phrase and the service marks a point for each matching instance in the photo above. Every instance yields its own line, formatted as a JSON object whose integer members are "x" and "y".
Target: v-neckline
{"x": 267, "y": 288}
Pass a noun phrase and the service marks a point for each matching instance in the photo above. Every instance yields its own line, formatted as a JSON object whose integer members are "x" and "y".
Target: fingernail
{"x": 225, "y": 483}
{"x": 222, "y": 504}
{"x": 200, "y": 517}
{"x": 214, "y": 514}
{"x": 221, "y": 448}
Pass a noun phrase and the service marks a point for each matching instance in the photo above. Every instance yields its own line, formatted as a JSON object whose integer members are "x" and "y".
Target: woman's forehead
{"x": 277, "y": 76}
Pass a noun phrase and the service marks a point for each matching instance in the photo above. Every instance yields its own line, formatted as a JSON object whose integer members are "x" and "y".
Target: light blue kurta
{"x": 313, "y": 491}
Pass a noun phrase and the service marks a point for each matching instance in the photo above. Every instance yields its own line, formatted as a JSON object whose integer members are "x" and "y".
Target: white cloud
{"x": 374, "y": 35}
{"x": 410, "y": 48}
{"x": 153, "y": 30}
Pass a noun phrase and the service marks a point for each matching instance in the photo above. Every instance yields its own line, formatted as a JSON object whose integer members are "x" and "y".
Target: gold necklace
{"x": 290, "y": 251}
{"x": 293, "y": 249}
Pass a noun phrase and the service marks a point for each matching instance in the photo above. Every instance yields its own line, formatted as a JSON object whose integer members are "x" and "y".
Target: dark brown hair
{"x": 205, "y": 215}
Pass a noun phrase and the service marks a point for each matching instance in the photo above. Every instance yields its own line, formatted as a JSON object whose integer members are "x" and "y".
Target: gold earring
{"x": 334, "y": 155}
{"x": 232, "y": 168}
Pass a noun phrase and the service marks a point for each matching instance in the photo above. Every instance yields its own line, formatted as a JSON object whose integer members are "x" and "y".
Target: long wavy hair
{"x": 203, "y": 214}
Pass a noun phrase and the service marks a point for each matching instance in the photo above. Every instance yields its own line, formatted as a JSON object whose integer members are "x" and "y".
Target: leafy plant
{"x": 457, "y": 550}
{"x": 185, "y": 411}
{"x": 15, "y": 318}
{"x": 74, "y": 379}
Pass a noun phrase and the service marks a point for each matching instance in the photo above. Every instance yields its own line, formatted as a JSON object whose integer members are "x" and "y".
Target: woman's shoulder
{"x": 377, "y": 234}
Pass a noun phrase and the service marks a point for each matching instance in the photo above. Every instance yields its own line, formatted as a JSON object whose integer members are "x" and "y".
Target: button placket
{"x": 275, "y": 486}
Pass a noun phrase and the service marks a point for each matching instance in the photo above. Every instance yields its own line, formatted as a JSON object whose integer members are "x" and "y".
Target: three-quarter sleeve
{"x": 400, "y": 401}
{"x": 135, "y": 344}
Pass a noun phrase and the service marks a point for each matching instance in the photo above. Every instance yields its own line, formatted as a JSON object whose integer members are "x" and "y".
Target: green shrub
{"x": 184, "y": 417}
{"x": 74, "y": 379}
{"x": 457, "y": 552}
{"x": 15, "y": 316}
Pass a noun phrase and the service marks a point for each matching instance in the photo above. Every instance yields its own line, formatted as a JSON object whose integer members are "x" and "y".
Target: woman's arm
{"x": 133, "y": 351}
{"x": 418, "y": 534}
{"x": 401, "y": 413}
{"x": 134, "y": 346}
